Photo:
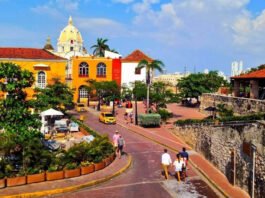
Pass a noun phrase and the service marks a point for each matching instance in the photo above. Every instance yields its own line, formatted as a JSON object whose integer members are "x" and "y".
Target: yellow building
{"x": 170, "y": 79}
{"x": 92, "y": 68}
{"x": 44, "y": 65}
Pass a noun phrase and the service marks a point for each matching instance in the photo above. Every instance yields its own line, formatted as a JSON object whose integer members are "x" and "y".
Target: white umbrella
{"x": 51, "y": 112}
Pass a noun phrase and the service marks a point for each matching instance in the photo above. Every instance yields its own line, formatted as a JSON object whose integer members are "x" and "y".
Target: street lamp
{"x": 136, "y": 112}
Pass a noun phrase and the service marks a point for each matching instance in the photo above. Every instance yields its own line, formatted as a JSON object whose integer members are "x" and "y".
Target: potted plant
{"x": 107, "y": 161}
{"x": 112, "y": 157}
{"x": 16, "y": 179}
{"x": 2, "y": 180}
{"x": 35, "y": 175}
{"x": 71, "y": 170}
{"x": 99, "y": 163}
{"x": 54, "y": 172}
{"x": 87, "y": 167}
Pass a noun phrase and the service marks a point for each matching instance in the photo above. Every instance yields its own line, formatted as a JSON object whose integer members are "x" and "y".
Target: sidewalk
{"x": 164, "y": 137}
{"x": 117, "y": 167}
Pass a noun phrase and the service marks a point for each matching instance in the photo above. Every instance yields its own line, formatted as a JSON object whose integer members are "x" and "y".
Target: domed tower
{"x": 70, "y": 39}
{"x": 48, "y": 46}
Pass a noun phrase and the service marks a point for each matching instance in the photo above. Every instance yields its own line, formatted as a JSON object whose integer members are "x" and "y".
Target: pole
{"x": 147, "y": 99}
{"x": 136, "y": 112}
{"x": 113, "y": 106}
{"x": 253, "y": 170}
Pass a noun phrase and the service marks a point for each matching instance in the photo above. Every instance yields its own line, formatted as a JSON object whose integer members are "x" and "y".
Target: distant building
{"x": 170, "y": 79}
{"x": 236, "y": 68}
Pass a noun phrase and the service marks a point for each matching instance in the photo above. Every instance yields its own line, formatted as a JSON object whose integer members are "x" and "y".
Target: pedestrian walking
{"x": 166, "y": 162}
{"x": 131, "y": 117}
{"x": 121, "y": 145}
{"x": 115, "y": 138}
{"x": 178, "y": 165}
{"x": 185, "y": 157}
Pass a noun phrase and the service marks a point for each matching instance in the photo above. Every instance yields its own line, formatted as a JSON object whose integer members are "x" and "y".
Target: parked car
{"x": 51, "y": 145}
{"x": 79, "y": 107}
{"x": 61, "y": 125}
{"x": 107, "y": 118}
{"x": 74, "y": 126}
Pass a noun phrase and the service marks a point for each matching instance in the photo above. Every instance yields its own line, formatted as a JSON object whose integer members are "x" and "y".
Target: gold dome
{"x": 70, "y": 34}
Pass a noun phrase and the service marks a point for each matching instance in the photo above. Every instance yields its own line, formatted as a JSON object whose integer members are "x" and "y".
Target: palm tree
{"x": 100, "y": 47}
{"x": 150, "y": 67}
{"x": 114, "y": 51}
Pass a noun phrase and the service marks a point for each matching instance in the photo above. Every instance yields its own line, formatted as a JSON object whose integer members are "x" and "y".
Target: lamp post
{"x": 136, "y": 112}
{"x": 113, "y": 105}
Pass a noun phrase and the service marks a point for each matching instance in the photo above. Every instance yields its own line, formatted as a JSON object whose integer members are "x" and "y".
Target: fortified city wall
{"x": 240, "y": 106}
{"x": 216, "y": 143}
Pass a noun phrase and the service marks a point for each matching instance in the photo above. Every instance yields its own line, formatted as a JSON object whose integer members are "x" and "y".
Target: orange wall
{"x": 92, "y": 63}
{"x": 56, "y": 69}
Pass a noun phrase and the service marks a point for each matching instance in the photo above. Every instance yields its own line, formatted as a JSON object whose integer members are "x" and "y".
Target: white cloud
{"x": 101, "y": 27}
{"x": 54, "y": 8}
{"x": 123, "y": 1}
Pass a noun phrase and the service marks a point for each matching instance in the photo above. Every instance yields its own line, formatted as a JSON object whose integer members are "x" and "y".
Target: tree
{"x": 100, "y": 47}
{"x": 256, "y": 68}
{"x": 150, "y": 67}
{"x": 57, "y": 96}
{"x": 16, "y": 120}
{"x": 104, "y": 89}
{"x": 161, "y": 95}
{"x": 195, "y": 85}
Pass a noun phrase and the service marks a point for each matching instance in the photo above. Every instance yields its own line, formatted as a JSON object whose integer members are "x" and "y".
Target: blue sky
{"x": 182, "y": 33}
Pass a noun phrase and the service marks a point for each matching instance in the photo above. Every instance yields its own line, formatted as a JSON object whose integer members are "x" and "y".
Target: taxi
{"x": 107, "y": 118}
{"x": 80, "y": 107}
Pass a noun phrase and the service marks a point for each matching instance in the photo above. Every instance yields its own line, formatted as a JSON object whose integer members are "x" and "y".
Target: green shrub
{"x": 252, "y": 117}
{"x": 71, "y": 166}
{"x": 2, "y": 175}
{"x": 89, "y": 130}
{"x": 85, "y": 163}
{"x": 149, "y": 120}
{"x": 165, "y": 114}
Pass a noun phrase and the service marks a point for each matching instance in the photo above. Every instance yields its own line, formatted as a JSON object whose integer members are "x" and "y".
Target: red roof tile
{"x": 136, "y": 56}
{"x": 254, "y": 74}
{"x": 27, "y": 53}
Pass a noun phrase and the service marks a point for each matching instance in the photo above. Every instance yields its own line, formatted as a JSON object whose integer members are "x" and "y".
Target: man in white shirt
{"x": 166, "y": 162}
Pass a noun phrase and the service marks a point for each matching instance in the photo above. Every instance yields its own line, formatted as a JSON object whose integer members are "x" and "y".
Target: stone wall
{"x": 239, "y": 105}
{"x": 217, "y": 142}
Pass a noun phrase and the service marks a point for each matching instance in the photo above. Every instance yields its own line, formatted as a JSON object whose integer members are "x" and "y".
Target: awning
{"x": 41, "y": 65}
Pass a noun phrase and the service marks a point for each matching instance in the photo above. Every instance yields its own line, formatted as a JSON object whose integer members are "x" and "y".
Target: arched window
{"x": 41, "y": 82}
{"x": 101, "y": 70}
{"x": 83, "y": 69}
{"x": 83, "y": 93}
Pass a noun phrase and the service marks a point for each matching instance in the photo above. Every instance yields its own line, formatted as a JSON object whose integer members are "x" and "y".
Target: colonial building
{"x": 250, "y": 85}
{"x": 171, "y": 80}
{"x": 92, "y": 68}
{"x": 44, "y": 65}
{"x": 70, "y": 42}
{"x": 129, "y": 72}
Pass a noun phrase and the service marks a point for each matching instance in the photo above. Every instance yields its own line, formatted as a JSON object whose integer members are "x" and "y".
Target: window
{"x": 83, "y": 93}
{"x": 101, "y": 70}
{"x": 83, "y": 69}
{"x": 137, "y": 71}
{"x": 41, "y": 80}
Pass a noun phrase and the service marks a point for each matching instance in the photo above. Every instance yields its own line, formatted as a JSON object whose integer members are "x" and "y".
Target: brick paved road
{"x": 144, "y": 178}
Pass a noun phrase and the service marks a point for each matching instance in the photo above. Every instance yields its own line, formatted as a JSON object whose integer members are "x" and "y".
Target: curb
{"x": 191, "y": 162}
{"x": 72, "y": 188}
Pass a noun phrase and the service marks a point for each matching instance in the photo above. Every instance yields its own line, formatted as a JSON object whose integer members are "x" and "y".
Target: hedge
{"x": 252, "y": 117}
{"x": 149, "y": 120}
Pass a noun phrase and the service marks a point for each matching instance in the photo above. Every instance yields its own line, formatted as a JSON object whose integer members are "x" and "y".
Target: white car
{"x": 74, "y": 126}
